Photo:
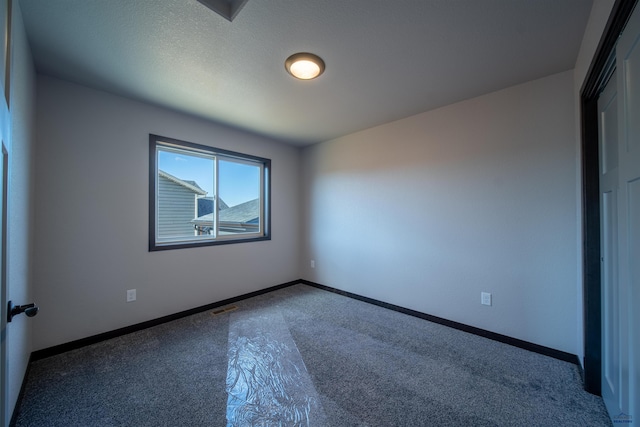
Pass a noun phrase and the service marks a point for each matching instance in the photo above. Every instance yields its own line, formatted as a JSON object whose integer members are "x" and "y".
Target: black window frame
{"x": 154, "y": 244}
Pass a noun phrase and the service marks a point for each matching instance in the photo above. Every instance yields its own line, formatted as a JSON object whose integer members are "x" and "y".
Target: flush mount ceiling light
{"x": 304, "y": 66}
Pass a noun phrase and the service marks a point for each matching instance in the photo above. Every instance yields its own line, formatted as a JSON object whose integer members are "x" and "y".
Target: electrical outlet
{"x": 313, "y": 263}
{"x": 131, "y": 295}
{"x": 485, "y": 298}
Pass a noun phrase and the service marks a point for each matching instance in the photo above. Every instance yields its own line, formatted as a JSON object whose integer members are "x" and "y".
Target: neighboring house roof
{"x": 195, "y": 184}
{"x": 191, "y": 185}
{"x": 205, "y": 205}
{"x": 244, "y": 213}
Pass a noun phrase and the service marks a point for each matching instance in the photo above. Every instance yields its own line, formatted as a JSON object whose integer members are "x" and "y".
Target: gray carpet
{"x": 301, "y": 356}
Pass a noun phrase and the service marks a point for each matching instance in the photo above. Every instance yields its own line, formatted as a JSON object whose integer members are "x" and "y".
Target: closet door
{"x": 628, "y": 70}
{"x": 608, "y": 124}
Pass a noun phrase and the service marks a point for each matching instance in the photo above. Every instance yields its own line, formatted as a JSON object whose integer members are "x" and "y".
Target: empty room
{"x": 320, "y": 213}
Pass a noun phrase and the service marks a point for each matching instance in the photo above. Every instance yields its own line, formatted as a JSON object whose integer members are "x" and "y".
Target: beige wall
{"x": 92, "y": 217}
{"x": 428, "y": 211}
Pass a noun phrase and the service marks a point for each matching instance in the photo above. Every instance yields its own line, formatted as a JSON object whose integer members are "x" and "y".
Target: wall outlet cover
{"x": 485, "y": 298}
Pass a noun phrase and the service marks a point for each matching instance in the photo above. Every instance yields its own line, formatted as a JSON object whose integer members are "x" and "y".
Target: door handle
{"x": 13, "y": 310}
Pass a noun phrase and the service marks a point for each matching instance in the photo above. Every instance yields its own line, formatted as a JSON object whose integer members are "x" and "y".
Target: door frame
{"x": 591, "y": 286}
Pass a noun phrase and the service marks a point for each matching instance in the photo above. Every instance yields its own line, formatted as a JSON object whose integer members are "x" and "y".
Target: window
{"x": 202, "y": 196}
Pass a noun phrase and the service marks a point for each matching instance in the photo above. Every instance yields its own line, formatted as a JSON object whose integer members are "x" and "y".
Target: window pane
{"x": 185, "y": 190}
{"x": 240, "y": 197}
{"x": 203, "y": 196}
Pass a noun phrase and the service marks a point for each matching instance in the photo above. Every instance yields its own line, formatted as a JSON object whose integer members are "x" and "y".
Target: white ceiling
{"x": 385, "y": 60}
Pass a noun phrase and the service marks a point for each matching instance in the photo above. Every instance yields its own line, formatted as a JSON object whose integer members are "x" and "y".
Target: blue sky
{"x": 239, "y": 182}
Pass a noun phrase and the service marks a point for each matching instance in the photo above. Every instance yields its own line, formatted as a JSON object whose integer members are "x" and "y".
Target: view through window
{"x": 200, "y": 195}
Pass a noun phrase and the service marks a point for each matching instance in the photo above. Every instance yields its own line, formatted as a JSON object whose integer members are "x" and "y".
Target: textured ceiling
{"x": 385, "y": 60}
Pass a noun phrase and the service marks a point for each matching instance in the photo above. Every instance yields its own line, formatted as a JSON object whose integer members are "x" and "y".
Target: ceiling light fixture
{"x": 304, "y": 66}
